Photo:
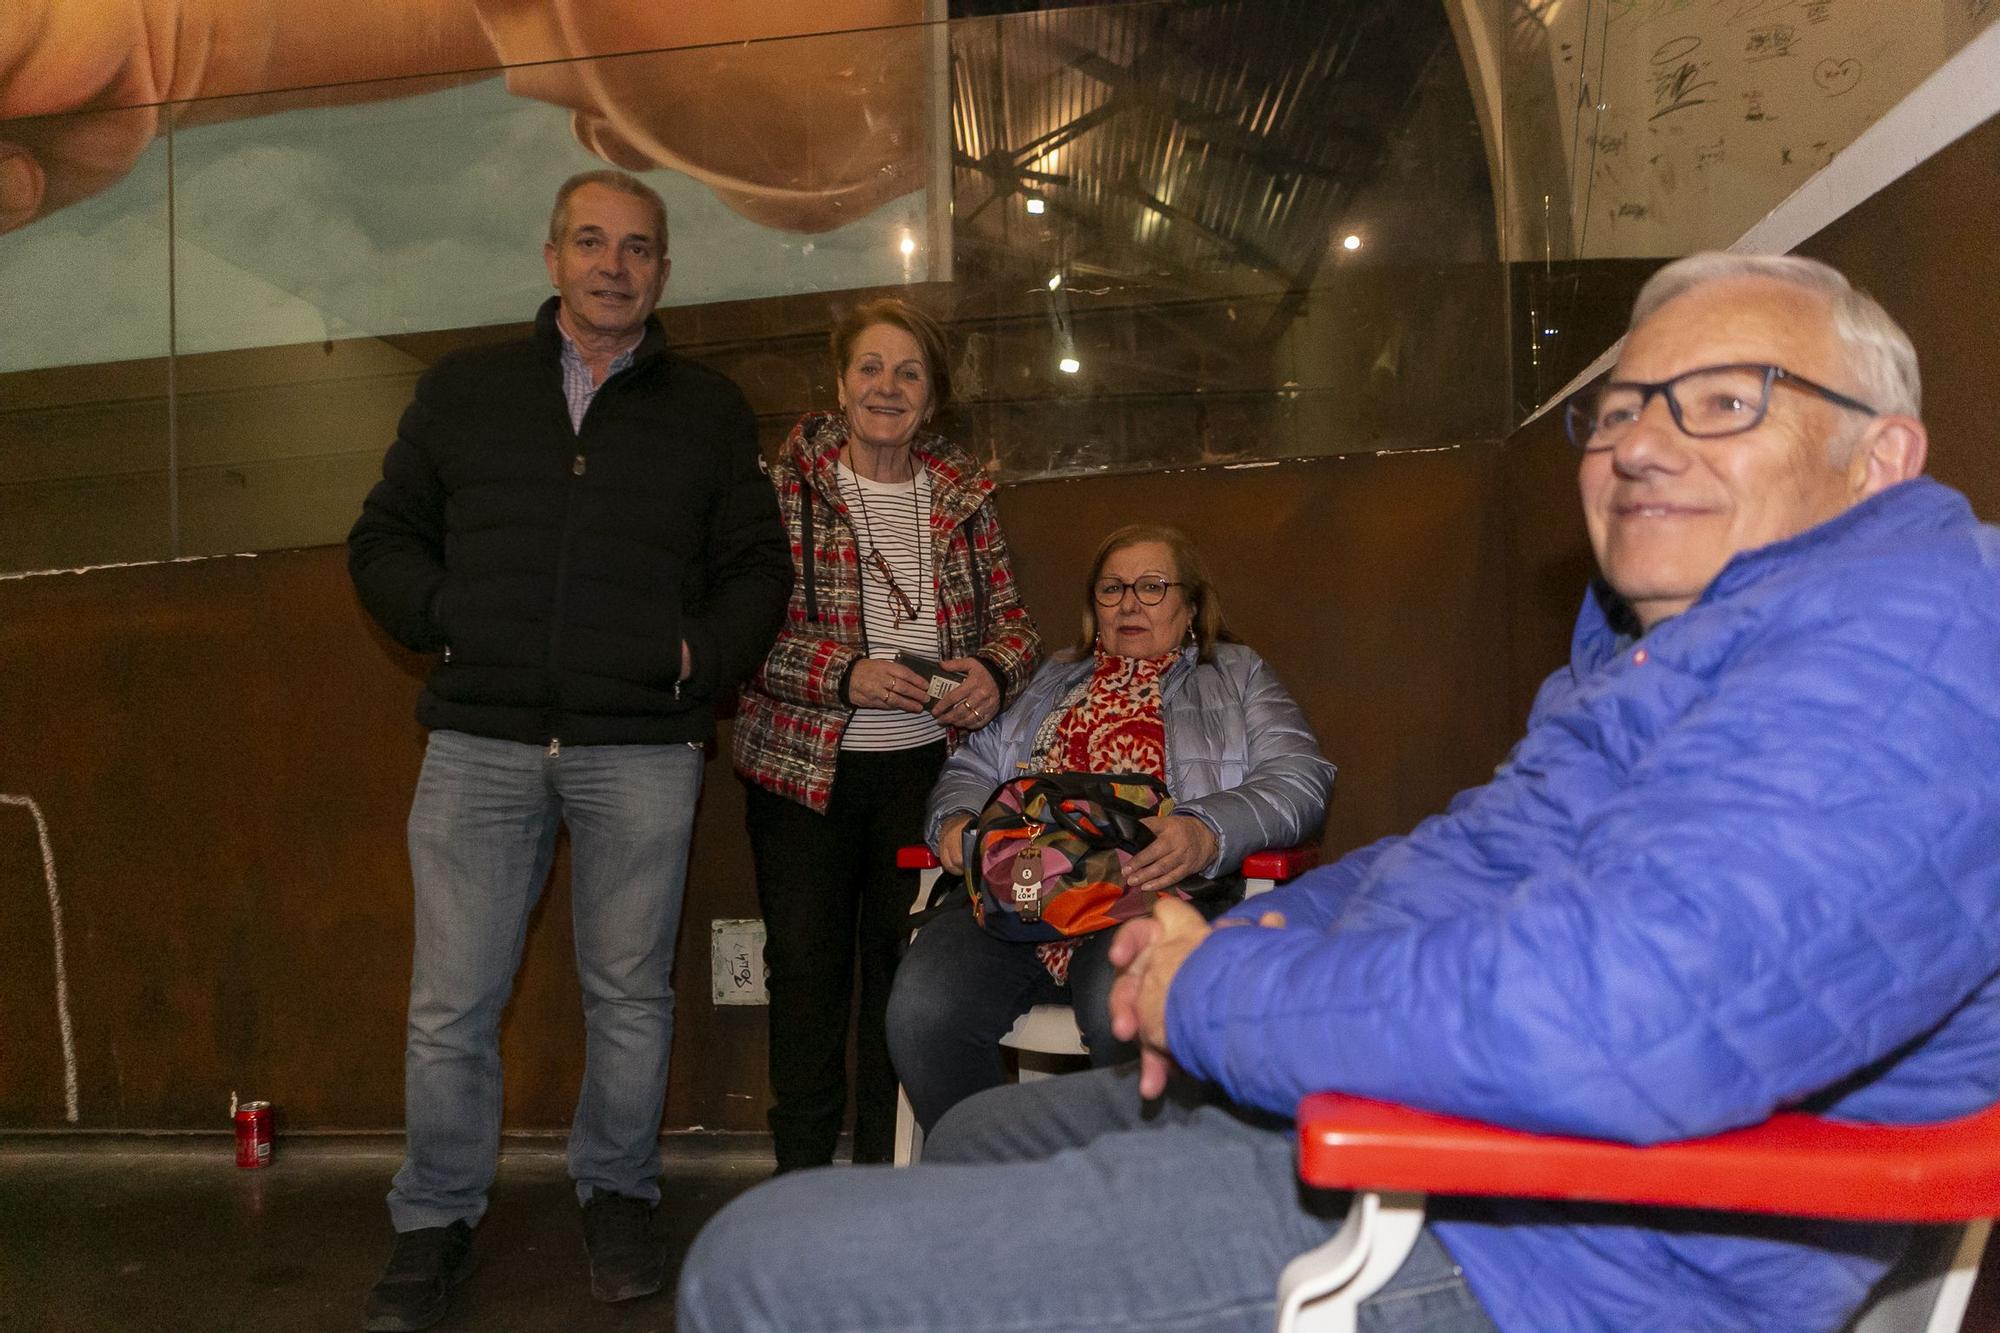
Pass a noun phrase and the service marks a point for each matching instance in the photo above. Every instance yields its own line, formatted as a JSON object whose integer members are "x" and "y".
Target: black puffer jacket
{"x": 558, "y": 571}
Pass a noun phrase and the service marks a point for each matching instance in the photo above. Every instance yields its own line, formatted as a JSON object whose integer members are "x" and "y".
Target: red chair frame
{"x": 1795, "y": 1165}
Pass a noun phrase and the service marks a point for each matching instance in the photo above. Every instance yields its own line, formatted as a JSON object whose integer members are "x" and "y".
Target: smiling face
{"x": 1131, "y": 628}
{"x": 1666, "y": 511}
{"x": 885, "y": 389}
{"x": 609, "y": 266}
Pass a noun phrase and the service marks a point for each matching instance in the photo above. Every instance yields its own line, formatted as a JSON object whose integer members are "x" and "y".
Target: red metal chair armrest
{"x": 1280, "y": 863}
{"x": 1791, "y": 1164}
{"x": 918, "y": 857}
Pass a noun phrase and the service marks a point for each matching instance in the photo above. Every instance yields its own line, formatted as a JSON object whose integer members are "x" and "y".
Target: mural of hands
{"x": 122, "y": 61}
{"x": 802, "y": 136}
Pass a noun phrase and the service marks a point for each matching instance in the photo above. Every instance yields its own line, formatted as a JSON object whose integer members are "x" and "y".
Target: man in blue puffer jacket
{"x": 1747, "y": 857}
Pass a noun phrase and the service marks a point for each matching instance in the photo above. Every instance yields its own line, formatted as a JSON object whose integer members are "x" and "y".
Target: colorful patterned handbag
{"x": 1045, "y": 860}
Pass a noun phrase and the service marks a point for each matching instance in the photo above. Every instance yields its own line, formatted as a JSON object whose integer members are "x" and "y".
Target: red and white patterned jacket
{"x": 790, "y": 716}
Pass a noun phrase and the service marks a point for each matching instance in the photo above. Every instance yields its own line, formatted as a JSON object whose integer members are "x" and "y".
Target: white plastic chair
{"x": 1791, "y": 1165}
{"x": 1050, "y": 1029}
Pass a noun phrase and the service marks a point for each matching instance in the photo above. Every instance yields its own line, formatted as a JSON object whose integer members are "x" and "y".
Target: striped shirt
{"x": 891, "y": 518}
{"x": 577, "y": 388}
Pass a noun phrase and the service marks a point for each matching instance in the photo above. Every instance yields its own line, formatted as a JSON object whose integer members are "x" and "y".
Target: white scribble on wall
{"x": 56, "y": 931}
{"x": 1687, "y": 121}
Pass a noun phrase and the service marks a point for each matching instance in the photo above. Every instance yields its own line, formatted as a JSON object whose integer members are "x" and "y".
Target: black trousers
{"x": 831, "y": 896}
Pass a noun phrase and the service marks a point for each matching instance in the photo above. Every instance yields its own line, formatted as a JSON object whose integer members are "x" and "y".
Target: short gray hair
{"x": 622, "y": 181}
{"x": 1879, "y": 354}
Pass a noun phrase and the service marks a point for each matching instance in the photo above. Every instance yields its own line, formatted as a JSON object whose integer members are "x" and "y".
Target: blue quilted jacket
{"x": 1750, "y": 861}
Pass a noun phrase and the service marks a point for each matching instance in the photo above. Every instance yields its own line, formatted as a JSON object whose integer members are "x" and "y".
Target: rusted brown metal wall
{"x": 224, "y": 754}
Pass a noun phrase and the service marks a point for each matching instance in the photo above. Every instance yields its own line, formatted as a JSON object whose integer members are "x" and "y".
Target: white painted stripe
{"x": 125, "y": 564}
{"x": 62, "y": 973}
{"x": 1960, "y": 95}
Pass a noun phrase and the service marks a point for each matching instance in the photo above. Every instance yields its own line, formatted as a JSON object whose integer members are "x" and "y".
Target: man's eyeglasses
{"x": 1706, "y": 403}
{"x": 1151, "y": 590}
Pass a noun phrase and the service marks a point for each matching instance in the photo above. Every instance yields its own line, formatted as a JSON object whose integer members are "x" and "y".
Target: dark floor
{"x": 169, "y": 1235}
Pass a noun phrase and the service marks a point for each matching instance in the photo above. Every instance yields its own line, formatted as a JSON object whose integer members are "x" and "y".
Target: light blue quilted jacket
{"x": 1240, "y": 755}
{"x": 1751, "y": 861}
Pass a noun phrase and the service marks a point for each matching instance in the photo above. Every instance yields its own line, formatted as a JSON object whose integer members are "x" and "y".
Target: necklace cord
{"x": 875, "y": 560}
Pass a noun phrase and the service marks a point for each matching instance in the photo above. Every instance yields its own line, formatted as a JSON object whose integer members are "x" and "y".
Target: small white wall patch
{"x": 736, "y": 961}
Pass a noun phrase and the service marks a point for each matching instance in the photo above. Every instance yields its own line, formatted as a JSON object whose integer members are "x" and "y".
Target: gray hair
{"x": 1879, "y": 354}
{"x": 622, "y": 181}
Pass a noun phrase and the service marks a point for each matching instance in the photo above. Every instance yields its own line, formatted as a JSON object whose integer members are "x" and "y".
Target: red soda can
{"x": 253, "y": 1135}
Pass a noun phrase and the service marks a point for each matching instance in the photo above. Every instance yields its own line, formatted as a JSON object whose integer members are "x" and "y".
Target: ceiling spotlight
{"x": 1055, "y": 281}
{"x": 1069, "y": 365}
{"x": 1036, "y": 205}
{"x": 909, "y": 245}
{"x": 1352, "y": 242}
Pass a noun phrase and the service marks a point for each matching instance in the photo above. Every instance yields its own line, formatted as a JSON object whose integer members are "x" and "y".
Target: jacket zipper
{"x": 576, "y": 469}
{"x": 1171, "y": 676}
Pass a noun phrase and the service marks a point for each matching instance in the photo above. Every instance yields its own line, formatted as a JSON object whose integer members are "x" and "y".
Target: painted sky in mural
{"x": 420, "y": 203}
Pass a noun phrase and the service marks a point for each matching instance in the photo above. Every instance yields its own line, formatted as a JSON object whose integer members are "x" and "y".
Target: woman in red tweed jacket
{"x": 896, "y": 553}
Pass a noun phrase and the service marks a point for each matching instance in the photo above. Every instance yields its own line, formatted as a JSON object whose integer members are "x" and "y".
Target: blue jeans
{"x": 482, "y": 834}
{"x": 1057, "y": 1206}
{"x": 958, "y": 991}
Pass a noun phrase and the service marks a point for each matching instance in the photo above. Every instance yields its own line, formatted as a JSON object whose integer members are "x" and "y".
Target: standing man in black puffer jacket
{"x": 578, "y": 522}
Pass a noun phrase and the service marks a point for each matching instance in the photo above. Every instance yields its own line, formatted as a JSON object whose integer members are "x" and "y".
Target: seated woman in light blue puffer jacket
{"x": 1154, "y": 685}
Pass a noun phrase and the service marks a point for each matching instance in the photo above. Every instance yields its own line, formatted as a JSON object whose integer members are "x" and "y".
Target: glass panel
{"x": 1641, "y": 130}
{"x": 1164, "y": 234}
{"x": 1154, "y": 207}
{"x": 85, "y": 420}
{"x": 1687, "y": 123}
{"x": 317, "y": 233}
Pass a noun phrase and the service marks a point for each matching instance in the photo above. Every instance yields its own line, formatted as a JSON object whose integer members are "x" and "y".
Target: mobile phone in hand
{"x": 938, "y": 681}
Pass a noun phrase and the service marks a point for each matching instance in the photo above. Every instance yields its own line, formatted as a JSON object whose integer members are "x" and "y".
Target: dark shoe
{"x": 415, "y": 1290}
{"x": 625, "y": 1261}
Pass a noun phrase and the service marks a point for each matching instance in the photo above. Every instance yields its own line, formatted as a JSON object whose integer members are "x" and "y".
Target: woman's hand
{"x": 951, "y": 844}
{"x": 879, "y": 684}
{"x": 974, "y": 701}
{"x": 1181, "y": 846}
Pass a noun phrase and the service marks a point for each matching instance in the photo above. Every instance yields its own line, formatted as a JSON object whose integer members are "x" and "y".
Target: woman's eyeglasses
{"x": 1151, "y": 590}
{"x": 905, "y": 608}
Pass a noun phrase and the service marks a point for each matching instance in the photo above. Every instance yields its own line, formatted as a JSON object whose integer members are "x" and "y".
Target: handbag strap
{"x": 1128, "y": 831}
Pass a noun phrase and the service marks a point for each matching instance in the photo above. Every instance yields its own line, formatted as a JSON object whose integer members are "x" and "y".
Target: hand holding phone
{"x": 939, "y": 682}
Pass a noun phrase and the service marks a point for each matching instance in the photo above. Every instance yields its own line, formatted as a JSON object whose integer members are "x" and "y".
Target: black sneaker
{"x": 625, "y": 1261}
{"x": 415, "y": 1290}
